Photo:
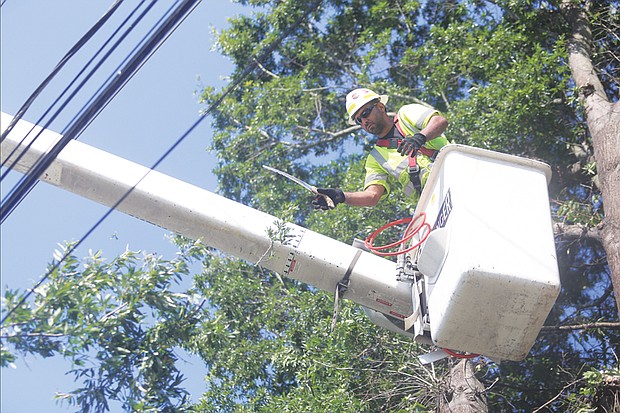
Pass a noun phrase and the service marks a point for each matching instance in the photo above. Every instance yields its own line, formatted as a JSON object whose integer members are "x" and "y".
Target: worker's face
{"x": 371, "y": 117}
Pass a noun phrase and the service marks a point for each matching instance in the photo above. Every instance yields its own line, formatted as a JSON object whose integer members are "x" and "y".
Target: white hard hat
{"x": 358, "y": 98}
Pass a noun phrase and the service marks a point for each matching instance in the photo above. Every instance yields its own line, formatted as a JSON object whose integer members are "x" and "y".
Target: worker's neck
{"x": 386, "y": 132}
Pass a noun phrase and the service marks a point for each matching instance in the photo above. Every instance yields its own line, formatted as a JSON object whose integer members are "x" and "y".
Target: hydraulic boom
{"x": 483, "y": 279}
{"x": 198, "y": 214}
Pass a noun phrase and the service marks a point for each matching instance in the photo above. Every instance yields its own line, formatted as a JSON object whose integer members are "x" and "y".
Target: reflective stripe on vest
{"x": 420, "y": 123}
{"x": 395, "y": 172}
{"x": 412, "y": 164}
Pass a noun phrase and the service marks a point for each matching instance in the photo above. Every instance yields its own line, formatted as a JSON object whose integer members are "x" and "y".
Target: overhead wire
{"x": 14, "y": 160}
{"x": 36, "y": 93}
{"x": 83, "y": 40}
{"x": 254, "y": 63}
{"x": 180, "y": 18}
{"x": 114, "y": 73}
{"x": 10, "y": 202}
{"x": 87, "y": 36}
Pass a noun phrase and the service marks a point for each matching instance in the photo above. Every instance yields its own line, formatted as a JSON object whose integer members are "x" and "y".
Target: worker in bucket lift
{"x": 406, "y": 146}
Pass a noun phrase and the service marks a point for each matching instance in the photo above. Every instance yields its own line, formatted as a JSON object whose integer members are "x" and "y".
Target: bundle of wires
{"x": 115, "y": 82}
{"x": 155, "y": 37}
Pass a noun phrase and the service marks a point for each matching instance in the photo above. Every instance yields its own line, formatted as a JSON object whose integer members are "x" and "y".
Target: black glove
{"x": 411, "y": 144}
{"x": 335, "y": 194}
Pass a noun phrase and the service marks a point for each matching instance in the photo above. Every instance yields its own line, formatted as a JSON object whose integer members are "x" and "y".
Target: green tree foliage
{"x": 498, "y": 71}
{"x": 118, "y": 323}
{"x": 276, "y": 351}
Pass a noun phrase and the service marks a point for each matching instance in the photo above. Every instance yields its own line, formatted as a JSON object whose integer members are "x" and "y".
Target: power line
{"x": 79, "y": 87}
{"x": 96, "y": 105}
{"x": 35, "y": 94}
{"x": 89, "y": 34}
{"x": 229, "y": 89}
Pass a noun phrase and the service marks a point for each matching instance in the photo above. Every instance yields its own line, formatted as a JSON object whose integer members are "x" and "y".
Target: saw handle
{"x": 328, "y": 200}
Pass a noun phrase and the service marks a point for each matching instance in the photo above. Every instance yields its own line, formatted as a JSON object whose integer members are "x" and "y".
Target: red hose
{"x": 407, "y": 235}
{"x": 459, "y": 355}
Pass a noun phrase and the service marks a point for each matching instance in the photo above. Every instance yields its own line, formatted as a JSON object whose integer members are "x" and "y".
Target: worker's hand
{"x": 411, "y": 144}
{"x": 335, "y": 194}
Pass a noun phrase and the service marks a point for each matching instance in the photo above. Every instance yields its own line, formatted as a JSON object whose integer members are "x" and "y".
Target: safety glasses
{"x": 365, "y": 113}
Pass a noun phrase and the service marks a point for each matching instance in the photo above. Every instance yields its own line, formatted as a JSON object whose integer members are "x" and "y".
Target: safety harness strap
{"x": 414, "y": 169}
{"x": 392, "y": 143}
{"x": 414, "y": 173}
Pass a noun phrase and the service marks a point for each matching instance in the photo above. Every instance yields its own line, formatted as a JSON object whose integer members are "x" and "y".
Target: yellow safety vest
{"x": 385, "y": 166}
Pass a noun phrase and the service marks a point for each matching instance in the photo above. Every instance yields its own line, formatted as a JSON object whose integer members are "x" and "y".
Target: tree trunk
{"x": 462, "y": 392}
{"x": 603, "y": 119}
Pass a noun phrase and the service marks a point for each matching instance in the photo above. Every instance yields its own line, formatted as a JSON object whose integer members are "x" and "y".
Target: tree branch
{"x": 48, "y": 335}
{"x": 569, "y": 385}
{"x": 261, "y": 67}
{"x": 602, "y": 324}
{"x": 580, "y": 50}
{"x": 330, "y": 135}
{"x": 560, "y": 229}
{"x": 411, "y": 99}
{"x": 603, "y": 119}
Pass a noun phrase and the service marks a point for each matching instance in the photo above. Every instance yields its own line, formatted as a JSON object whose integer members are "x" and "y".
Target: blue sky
{"x": 151, "y": 112}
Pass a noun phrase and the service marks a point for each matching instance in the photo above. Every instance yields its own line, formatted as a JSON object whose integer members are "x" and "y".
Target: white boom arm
{"x": 196, "y": 213}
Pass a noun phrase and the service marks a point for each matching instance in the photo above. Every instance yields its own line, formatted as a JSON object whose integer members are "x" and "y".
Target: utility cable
{"x": 248, "y": 69}
{"x": 74, "y": 93}
{"x": 89, "y": 34}
{"x": 92, "y": 72}
{"x": 40, "y": 88}
{"x": 93, "y": 109}
{"x": 36, "y": 93}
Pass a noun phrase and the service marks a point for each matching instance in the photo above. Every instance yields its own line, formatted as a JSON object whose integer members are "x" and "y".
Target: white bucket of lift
{"x": 490, "y": 262}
